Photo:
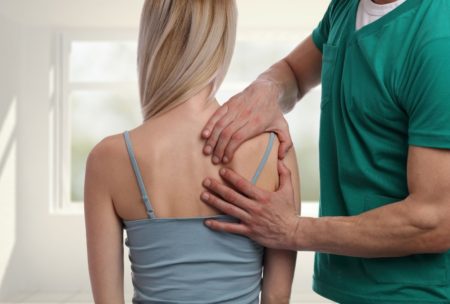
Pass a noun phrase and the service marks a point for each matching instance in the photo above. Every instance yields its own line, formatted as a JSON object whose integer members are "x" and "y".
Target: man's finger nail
{"x": 208, "y": 149}
{"x": 223, "y": 171}
{"x": 215, "y": 160}
{"x": 206, "y": 133}
{"x": 205, "y": 195}
{"x": 208, "y": 223}
{"x": 225, "y": 159}
{"x": 207, "y": 182}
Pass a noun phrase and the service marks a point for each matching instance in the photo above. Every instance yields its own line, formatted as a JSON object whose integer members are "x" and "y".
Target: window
{"x": 98, "y": 96}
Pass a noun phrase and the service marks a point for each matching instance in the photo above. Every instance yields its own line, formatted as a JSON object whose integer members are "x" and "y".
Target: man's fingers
{"x": 285, "y": 144}
{"x": 223, "y": 206}
{"x": 226, "y": 137}
{"x": 247, "y": 132}
{"x": 220, "y": 112}
{"x": 241, "y": 184}
{"x": 227, "y": 193}
{"x": 249, "y": 125}
{"x": 285, "y": 139}
{"x": 213, "y": 140}
{"x": 285, "y": 176}
{"x": 228, "y": 227}
{"x": 211, "y": 124}
{"x": 283, "y": 149}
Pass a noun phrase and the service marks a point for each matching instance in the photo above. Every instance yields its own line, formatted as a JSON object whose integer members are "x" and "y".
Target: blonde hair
{"x": 184, "y": 46}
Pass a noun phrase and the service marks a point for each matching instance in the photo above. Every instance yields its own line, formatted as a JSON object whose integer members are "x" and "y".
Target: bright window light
{"x": 100, "y": 97}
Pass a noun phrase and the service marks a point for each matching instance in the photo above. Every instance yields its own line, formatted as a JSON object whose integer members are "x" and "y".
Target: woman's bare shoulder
{"x": 249, "y": 155}
{"x": 107, "y": 152}
{"x": 103, "y": 160}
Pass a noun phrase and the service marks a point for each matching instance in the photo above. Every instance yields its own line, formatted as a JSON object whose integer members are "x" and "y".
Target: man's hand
{"x": 259, "y": 108}
{"x": 246, "y": 115}
{"x": 269, "y": 218}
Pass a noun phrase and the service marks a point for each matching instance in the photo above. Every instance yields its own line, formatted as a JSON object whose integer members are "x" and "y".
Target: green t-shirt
{"x": 385, "y": 87}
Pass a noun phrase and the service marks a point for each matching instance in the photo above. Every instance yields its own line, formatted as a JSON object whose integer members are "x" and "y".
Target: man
{"x": 384, "y": 231}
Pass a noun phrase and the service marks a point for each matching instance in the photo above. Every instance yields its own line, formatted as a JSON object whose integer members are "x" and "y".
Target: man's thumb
{"x": 285, "y": 176}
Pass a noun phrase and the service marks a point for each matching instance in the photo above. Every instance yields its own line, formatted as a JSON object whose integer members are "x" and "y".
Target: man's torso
{"x": 372, "y": 83}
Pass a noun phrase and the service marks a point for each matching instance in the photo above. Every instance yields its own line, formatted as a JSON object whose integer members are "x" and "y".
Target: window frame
{"x": 60, "y": 118}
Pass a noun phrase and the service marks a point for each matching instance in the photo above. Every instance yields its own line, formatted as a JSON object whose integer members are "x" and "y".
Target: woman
{"x": 185, "y": 48}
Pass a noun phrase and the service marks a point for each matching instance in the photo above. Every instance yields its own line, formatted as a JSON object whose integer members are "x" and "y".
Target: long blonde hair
{"x": 184, "y": 46}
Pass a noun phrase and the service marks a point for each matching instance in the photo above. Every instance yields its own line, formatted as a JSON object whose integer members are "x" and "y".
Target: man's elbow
{"x": 442, "y": 241}
{"x": 438, "y": 239}
{"x": 431, "y": 221}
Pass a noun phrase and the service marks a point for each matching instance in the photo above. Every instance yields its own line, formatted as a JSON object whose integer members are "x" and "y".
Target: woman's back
{"x": 168, "y": 150}
{"x": 155, "y": 188}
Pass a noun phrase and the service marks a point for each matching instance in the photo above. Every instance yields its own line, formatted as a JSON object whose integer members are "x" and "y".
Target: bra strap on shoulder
{"x": 138, "y": 174}
{"x": 264, "y": 159}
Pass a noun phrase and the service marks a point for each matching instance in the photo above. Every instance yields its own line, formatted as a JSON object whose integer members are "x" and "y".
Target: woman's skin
{"x": 169, "y": 152}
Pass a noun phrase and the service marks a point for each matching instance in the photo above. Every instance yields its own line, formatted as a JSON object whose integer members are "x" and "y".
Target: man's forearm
{"x": 296, "y": 74}
{"x": 283, "y": 81}
{"x": 396, "y": 229}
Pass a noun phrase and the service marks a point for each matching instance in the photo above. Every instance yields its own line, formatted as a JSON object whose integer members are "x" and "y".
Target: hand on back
{"x": 244, "y": 116}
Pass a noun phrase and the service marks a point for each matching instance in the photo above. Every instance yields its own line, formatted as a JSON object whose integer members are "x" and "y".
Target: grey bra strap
{"x": 139, "y": 179}
{"x": 264, "y": 159}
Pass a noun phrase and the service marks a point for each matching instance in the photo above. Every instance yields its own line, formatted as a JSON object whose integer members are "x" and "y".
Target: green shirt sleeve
{"x": 320, "y": 33}
{"x": 426, "y": 95}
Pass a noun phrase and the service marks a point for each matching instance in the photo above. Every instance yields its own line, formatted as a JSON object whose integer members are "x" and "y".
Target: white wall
{"x": 49, "y": 253}
{"x": 9, "y": 98}
{"x": 40, "y": 251}
{"x": 124, "y": 13}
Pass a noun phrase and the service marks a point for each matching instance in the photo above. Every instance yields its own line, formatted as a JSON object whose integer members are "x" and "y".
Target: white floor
{"x": 83, "y": 298}
{"x": 38, "y": 297}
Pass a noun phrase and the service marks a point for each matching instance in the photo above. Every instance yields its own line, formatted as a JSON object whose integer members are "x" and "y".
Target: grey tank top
{"x": 180, "y": 260}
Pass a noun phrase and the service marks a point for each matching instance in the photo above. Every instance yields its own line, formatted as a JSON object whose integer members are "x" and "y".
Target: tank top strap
{"x": 137, "y": 172}
{"x": 264, "y": 158}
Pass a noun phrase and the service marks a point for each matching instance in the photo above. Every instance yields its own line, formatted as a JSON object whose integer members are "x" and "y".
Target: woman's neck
{"x": 197, "y": 108}
{"x": 197, "y": 104}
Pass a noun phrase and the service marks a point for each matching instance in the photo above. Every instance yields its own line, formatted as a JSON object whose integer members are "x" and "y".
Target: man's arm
{"x": 296, "y": 74}
{"x": 418, "y": 224}
{"x": 259, "y": 108}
